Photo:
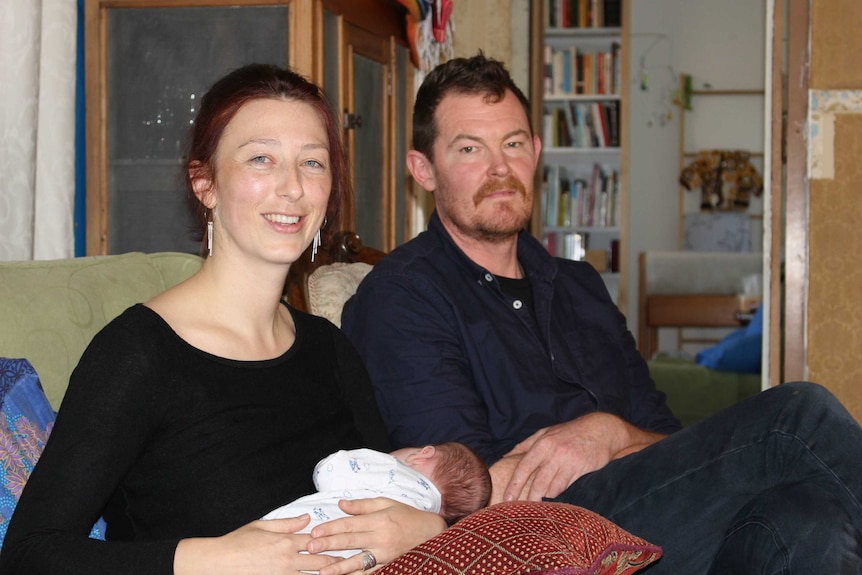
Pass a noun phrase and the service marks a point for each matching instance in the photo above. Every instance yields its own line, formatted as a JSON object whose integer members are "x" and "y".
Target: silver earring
{"x": 315, "y": 244}
{"x": 210, "y": 237}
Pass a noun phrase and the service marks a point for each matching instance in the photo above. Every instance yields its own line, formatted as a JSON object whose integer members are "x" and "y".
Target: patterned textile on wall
{"x": 429, "y": 31}
{"x": 726, "y": 178}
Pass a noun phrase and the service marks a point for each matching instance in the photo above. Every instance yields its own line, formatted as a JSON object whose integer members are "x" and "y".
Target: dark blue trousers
{"x": 771, "y": 485}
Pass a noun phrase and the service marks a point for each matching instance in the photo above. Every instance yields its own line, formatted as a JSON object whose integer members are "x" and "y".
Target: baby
{"x": 446, "y": 478}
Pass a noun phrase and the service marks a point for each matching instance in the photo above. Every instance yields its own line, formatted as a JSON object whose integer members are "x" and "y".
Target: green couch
{"x": 50, "y": 310}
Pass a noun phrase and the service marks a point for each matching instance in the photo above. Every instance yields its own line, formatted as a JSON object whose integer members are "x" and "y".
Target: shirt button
{"x": 489, "y": 278}
{"x": 517, "y": 304}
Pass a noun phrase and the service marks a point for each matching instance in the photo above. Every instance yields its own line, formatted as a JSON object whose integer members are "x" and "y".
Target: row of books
{"x": 583, "y": 13}
{"x": 570, "y": 71}
{"x": 582, "y": 125}
{"x": 572, "y": 201}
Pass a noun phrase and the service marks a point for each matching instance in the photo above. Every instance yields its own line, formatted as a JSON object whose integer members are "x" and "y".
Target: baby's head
{"x": 459, "y": 474}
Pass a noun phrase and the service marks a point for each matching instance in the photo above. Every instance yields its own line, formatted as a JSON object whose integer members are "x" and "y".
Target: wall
{"x": 720, "y": 43}
{"x": 835, "y": 238}
{"x": 500, "y": 28}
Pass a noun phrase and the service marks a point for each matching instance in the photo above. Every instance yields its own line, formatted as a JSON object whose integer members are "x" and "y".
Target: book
{"x": 567, "y": 84}
{"x": 612, "y": 119}
{"x": 612, "y": 13}
{"x": 557, "y": 71}
{"x": 571, "y": 126}
{"x": 600, "y": 124}
{"x": 552, "y": 196}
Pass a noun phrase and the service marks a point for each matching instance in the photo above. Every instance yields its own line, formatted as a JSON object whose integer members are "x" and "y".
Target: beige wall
{"x": 835, "y": 210}
{"x": 485, "y": 25}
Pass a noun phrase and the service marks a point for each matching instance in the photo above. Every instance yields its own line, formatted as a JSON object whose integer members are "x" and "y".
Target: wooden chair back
{"x": 350, "y": 249}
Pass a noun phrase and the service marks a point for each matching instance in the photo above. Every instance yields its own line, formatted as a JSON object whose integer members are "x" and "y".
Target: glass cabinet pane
{"x": 369, "y": 186}
{"x": 160, "y": 61}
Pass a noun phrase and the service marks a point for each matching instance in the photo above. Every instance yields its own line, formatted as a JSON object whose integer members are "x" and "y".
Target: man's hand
{"x": 501, "y": 472}
{"x": 547, "y": 462}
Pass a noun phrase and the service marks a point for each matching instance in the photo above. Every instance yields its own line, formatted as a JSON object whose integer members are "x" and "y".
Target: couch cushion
{"x": 50, "y": 310}
{"x": 330, "y": 286}
{"x": 528, "y": 537}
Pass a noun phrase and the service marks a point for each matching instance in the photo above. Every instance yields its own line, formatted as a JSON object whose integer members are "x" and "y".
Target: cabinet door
{"x": 368, "y": 110}
{"x": 157, "y": 63}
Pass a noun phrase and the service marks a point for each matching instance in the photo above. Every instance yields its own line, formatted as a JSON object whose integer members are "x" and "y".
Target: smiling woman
{"x": 216, "y": 382}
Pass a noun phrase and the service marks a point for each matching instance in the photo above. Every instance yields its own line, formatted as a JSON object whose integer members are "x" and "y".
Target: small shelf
{"x": 563, "y": 98}
{"x": 686, "y": 154}
{"x": 695, "y": 154}
{"x": 583, "y": 32}
{"x": 559, "y": 151}
{"x": 583, "y": 229}
{"x": 727, "y": 93}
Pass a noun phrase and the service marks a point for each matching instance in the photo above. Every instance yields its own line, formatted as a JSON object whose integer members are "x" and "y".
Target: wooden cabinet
{"x": 148, "y": 62}
{"x": 579, "y": 97}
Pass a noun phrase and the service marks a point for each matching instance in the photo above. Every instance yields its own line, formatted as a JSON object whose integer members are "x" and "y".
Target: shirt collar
{"x": 532, "y": 255}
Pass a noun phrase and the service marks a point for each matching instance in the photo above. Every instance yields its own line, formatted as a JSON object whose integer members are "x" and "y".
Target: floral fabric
{"x": 26, "y": 421}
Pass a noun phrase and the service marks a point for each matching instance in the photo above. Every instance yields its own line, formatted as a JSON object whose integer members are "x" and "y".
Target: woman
{"x": 193, "y": 414}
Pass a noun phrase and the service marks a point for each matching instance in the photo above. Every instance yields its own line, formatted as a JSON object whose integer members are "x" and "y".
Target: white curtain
{"x": 38, "y": 40}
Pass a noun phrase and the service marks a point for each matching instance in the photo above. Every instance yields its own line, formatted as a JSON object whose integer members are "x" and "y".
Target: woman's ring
{"x": 368, "y": 560}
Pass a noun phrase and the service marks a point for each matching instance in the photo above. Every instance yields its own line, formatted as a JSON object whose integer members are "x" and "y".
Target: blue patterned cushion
{"x": 25, "y": 424}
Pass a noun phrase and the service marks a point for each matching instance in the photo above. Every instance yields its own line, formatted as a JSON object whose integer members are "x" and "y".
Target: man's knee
{"x": 799, "y": 528}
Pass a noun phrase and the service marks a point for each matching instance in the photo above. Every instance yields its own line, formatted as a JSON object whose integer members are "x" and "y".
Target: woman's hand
{"x": 269, "y": 547}
{"x": 382, "y": 526}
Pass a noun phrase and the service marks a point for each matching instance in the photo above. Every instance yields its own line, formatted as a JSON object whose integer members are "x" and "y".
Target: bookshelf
{"x": 579, "y": 96}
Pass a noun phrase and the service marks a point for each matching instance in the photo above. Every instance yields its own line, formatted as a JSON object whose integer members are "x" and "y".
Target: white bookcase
{"x": 580, "y": 96}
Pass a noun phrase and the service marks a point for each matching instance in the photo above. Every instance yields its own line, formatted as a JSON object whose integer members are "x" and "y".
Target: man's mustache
{"x": 510, "y": 182}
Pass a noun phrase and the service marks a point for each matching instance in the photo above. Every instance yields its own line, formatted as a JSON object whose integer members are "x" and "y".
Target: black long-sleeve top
{"x": 169, "y": 442}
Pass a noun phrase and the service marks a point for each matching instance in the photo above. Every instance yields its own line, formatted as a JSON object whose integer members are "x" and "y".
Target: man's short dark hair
{"x": 475, "y": 75}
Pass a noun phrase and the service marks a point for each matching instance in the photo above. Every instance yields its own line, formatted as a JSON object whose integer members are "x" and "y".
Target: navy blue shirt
{"x": 453, "y": 358}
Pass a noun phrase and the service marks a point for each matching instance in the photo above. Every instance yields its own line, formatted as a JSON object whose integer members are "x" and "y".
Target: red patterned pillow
{"x": 540, "y": 538}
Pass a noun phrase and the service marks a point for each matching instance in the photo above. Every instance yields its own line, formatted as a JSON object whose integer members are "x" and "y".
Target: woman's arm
{"x": 100, "y": 430}
{"x": 271, "y": 547}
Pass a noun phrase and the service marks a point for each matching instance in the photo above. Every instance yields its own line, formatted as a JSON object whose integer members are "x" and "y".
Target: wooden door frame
{"x": 359, "y": 41}
{"x": 788, "y": 320}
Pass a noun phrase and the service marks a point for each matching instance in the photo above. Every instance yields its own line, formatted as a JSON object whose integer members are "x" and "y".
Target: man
{"x": 472, "y": 332}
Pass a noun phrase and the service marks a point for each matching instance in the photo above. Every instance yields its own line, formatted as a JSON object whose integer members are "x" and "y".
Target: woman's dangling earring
{"x": 210, "y": 237}
{"x": 315, "y": 244}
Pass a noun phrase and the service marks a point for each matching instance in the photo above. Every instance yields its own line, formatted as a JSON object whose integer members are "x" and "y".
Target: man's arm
{"x": 547, "y": 462}
{"x": 409, "y": 341}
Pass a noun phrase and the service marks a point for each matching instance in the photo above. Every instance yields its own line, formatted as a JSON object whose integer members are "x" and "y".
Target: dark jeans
{"x": 771, "y": 485}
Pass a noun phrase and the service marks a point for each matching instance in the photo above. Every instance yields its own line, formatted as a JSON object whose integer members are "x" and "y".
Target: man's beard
{"x": 506, "y": 219}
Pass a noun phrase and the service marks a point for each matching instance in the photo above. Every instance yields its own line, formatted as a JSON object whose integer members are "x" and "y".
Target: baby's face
{"x": 422, "y": 459}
